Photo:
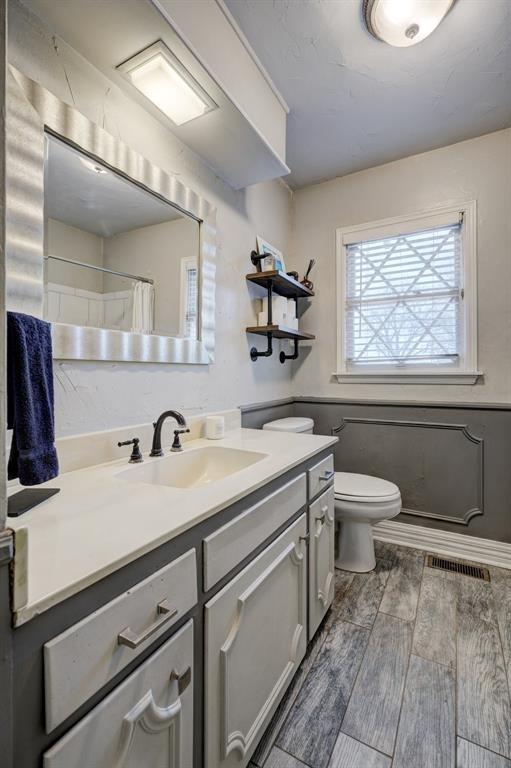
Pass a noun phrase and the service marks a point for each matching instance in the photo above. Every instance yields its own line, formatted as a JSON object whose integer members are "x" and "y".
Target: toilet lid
{"x": 290, "y": 424}
{"x": 348, "y": 485}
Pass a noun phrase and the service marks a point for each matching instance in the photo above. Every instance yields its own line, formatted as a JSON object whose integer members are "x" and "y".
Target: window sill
{"x": 451, "y": 377}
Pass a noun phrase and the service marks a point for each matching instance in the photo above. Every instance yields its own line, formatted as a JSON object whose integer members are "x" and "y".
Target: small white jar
{"x": 215, "y": 427}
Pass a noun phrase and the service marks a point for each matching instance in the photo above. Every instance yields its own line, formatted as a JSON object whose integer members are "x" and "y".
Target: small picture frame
{"x": 273, "y": 260}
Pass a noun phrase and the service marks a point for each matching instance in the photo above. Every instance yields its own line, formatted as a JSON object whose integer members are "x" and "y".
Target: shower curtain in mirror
{"x": 143, "y": 308}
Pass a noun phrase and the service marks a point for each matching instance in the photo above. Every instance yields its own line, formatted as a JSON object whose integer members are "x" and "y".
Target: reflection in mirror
{"x": 116, "y": 256}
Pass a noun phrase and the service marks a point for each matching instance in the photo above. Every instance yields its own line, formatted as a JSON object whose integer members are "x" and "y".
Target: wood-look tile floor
{"x": 411, "y": 668}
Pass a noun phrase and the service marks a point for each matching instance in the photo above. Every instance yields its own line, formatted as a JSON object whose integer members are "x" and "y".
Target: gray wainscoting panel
{"x": 452, "y": 463}
{"x": 423, "y": 458}
{"x": 254, "y": 416}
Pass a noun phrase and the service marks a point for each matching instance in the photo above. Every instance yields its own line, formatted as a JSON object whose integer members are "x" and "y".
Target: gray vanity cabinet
{"x": 217, "y": 620}
{"x": 146, "y": 721}
{"x": 321, "y": 557}
{"x": 255, "y": 637}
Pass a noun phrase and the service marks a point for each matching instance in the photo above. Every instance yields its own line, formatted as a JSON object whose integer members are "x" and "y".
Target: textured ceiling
{"x": 356, "y": 102}
{"x": 104, "y": 204}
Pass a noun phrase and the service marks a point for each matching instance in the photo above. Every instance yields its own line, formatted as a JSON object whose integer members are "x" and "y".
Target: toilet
{"x": 360, "y": 501}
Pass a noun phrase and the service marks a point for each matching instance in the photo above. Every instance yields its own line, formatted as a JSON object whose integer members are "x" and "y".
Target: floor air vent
{"x": 476, "y": 571}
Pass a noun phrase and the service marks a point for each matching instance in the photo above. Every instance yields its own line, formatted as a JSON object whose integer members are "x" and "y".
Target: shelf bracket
{"x": 256, "y": 259}
{"x": 268, "y": 352}
{"x": 283, "y": 357}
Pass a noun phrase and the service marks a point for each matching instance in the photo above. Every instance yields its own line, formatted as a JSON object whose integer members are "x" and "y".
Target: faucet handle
{"x": 136, "y": 455}
{"x": 176, "y": 445}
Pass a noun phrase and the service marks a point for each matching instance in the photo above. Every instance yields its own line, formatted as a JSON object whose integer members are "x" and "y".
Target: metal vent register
{"x": 476, "y": 571}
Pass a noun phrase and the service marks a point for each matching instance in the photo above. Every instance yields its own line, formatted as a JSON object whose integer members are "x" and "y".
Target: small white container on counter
{"x": 215, "y": 427}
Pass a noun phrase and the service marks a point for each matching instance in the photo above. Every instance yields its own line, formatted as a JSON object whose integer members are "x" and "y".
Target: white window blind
{"x": 190, "y": 324}
{"x": 403, "y": 299}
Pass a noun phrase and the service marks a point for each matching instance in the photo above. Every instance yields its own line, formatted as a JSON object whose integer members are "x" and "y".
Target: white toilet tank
{"x": 291, "y": 424}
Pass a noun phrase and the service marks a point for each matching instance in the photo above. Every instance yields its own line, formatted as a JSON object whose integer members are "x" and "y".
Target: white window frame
{"x": 465, "y": 372}
{"x": 187, "y": 264}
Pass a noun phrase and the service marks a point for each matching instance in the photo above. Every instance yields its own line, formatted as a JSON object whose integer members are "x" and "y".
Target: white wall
{"x": 156, "y": 252}
{"x": 478, "y": 169}
{"x": 93, "y": 396}
{"x": 77, "y": 244}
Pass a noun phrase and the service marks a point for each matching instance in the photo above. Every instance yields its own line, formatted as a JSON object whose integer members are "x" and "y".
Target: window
{"x": 189, "y": 298}
{"x": 406, "y": 299}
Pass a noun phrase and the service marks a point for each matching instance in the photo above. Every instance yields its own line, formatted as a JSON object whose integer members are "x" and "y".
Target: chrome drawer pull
{"x": 129, "y": 638}
{"x": 183, "y": 680}
{"x": 327, "y": 475}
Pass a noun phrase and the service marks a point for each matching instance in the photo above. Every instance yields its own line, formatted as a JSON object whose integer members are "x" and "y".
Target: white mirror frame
{"x": 33, "y": 111}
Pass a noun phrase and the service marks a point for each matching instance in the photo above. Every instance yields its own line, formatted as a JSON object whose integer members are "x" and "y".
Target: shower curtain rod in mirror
{"x": 138, "y": 278}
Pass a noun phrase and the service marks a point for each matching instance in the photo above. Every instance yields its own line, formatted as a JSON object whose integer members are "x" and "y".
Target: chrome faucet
{"x": 156, "y": 449}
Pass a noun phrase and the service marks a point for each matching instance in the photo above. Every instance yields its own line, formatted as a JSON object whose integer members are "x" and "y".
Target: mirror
{"x": 116, "y": 256}
{"x": 125, "y": 219}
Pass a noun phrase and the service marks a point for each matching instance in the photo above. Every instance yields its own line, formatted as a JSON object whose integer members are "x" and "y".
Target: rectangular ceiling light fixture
{"x": 161, "y": 78}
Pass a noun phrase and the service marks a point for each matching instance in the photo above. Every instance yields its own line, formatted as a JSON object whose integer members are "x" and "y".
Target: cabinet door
{"x": 321, "y": 558}
{"x": 255, "y": 639}
{"x": 146, "y": 721}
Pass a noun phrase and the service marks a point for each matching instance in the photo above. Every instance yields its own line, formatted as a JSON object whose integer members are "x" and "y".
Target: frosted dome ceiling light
{"x": 161, "y": 77}
{"x": 404, "y": 22}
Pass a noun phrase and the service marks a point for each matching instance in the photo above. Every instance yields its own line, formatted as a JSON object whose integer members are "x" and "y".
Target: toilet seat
{"x": 349, "y": 486}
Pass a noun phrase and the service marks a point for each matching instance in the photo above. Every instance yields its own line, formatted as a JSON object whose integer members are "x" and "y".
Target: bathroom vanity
{"x": 167, "y": 621}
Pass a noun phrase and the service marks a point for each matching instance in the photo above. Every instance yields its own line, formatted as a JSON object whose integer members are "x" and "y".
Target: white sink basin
{"x": 193, "y": 468}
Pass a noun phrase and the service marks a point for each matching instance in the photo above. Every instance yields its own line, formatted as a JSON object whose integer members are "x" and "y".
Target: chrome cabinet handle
{"x": 305, "y": 537}
{"x": 129, "y": 638}
{"x": 327, "y": 475}
{"x": 322, "y": 518}
{"x": 183, "y": 680}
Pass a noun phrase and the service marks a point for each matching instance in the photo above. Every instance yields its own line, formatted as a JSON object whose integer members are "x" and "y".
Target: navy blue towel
{"x": 30, "y": 412}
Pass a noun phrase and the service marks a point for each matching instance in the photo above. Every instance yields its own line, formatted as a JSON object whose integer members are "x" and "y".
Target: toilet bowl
{"x": 361, "y": 501}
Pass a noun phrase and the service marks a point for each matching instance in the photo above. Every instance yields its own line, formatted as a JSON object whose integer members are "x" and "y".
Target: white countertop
{"x": 99, "y": 522}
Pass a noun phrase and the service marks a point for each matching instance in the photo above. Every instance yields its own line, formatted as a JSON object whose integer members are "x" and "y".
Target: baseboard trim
{"x": 458, "y": 545}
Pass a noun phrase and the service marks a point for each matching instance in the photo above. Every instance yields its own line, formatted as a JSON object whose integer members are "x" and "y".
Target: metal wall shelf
{"x": 280, "y": 332}
{"x": 283, "y": 285}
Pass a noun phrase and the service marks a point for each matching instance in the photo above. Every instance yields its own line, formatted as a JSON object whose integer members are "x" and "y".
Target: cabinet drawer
{"x": 146, "y": 721}
{"x": 234, "y": 541}
{"x": 255, "y": 638}
{"x": 82, "y": 659}
{"x": 320, "y": 476}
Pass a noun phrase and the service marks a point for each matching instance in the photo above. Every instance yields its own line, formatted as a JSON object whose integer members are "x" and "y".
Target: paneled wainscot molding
{"x": 471, "y": 462}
